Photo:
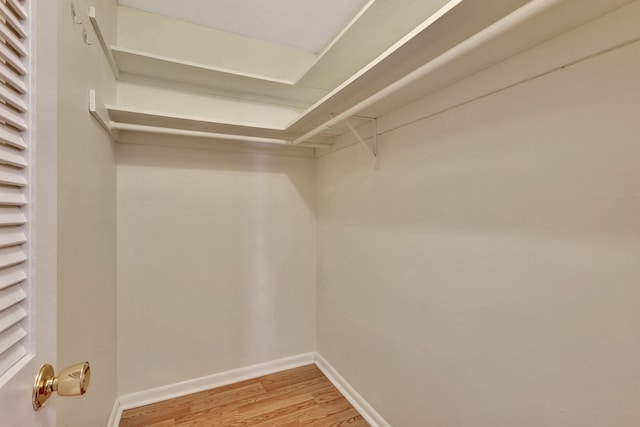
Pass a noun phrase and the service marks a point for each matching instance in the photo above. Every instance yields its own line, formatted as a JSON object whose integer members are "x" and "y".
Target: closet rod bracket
{"x": 375, "y": 150}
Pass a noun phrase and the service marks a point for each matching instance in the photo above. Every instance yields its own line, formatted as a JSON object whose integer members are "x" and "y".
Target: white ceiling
{"x": 305, "y": 24}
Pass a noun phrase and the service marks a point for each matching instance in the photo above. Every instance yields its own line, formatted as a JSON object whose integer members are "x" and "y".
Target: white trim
{"x": 116, "y": 414}
{"x": 196, "y": 385}
{"x": 220, "y": 379}
{"x": 358, "y": 402}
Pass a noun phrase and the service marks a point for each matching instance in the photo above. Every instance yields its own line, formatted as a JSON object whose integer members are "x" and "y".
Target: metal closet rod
{"x": 496, "y": 29}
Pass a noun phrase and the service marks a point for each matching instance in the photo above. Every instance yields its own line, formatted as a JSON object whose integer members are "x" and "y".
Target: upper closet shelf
{"x": 452, "y": 45}
{"x": 461, "y": 39}
{"x": 174, "y": 70}
{"x": 156, "y": 67}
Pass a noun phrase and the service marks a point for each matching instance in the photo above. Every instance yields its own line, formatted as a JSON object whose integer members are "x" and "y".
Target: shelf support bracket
{"x": 103, "y": 42}
{"x": 100, "y": 113}
{"x": 375, "y": 150}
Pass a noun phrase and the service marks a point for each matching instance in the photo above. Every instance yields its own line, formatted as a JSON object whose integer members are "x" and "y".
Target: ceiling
{"x": 305, "y": 24}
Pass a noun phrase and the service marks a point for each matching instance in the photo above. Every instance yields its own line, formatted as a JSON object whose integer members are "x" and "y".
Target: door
{"x": 40, "y": 80}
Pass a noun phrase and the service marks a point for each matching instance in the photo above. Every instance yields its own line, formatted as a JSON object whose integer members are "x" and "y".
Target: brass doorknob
{"x": 71, "y": 381}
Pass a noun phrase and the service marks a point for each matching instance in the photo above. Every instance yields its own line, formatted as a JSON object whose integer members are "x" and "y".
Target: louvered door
{"x": 27, "y": 203}
{"x": 13, "y": 184}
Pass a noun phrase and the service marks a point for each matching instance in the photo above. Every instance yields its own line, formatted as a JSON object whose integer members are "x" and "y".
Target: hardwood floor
{"x": 297, "y": 397}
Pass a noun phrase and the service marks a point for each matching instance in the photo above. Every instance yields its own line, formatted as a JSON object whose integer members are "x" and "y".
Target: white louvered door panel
{"x": 28, "y": 236}
{"x": 13, "y": 183}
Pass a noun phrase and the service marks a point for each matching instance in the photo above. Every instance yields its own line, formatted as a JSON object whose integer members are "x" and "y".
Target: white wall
{"x": 487, "y": 275}
{"x": 216, "y": 258}
{"x": 86, "y": 218}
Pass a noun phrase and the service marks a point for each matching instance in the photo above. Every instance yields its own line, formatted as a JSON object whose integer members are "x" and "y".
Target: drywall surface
{"x": 216, "y": 259}
{"x": 487, "y": 275}
{"x": 86, "y": 218}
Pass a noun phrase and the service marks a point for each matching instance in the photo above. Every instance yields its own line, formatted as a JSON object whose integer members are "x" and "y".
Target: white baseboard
{"x": 116, "y": 413}
{"x": 358, "y": 402}
{"x": 196, "y": 385}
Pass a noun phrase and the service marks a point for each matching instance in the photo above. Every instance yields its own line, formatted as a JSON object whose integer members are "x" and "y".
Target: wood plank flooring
{"x": 297, "y": 397}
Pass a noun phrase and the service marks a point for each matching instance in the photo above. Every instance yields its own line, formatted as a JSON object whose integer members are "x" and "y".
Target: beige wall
{"x": 487, "y": 275}
{"x": 216, "y": 257}
{"x": 86, "y": 218}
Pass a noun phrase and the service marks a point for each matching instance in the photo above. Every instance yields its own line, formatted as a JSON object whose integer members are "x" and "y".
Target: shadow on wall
{"x": 300, "y": 171}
